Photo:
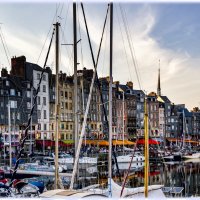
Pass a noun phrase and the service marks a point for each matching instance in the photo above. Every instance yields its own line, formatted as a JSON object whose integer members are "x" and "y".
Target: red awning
{"x": 48, "y": 143}
{"x": 151, "y": 141}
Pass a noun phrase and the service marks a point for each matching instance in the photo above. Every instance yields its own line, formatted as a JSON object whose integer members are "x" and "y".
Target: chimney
{"x": 116, "y": 83}
{"x": 4, "y": 72}
{"x": 130, "y": 84}
{"x": 18, "y": 66}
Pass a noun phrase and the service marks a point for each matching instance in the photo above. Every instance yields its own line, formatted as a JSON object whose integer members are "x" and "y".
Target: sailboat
{"x": 113, "y": 190}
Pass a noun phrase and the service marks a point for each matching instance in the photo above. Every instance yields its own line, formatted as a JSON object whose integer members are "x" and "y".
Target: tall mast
{"x": 110, "y": 103}
{"x": 158, "y": 87}
{"x": 9, "y": 132}
{"x": 123, "y": 121}
{"x": 31, "y": 134}
{"x": 183, "y": 128}
{"x": 76, "y": 135}
{"x": 57, "y": 106}
{"x": 146, "y": 153}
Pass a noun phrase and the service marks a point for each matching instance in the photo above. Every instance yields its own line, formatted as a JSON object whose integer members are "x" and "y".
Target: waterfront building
{"x": 94, "y": 123}
{"x": 121, "y": 111}
{"x": 195, "y": 123}
{"x": 32, "y": 72}
{"x": 140, "y": 97}
{"x": 153, "y": 112}
{"x": 16, "y": 90}
{"x": 129, "y": 115}
{"x": 65, "y": 118}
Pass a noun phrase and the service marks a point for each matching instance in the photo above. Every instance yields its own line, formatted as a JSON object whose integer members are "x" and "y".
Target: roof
{"x": 165, "y": 99}
{"x": 124, "y": 87}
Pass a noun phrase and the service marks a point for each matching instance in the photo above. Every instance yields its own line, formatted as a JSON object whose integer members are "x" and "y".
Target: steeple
{"x": 159, "y": 88}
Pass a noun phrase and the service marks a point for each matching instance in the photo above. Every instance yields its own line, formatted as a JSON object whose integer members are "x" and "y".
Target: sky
{"x": 143, "y": 34}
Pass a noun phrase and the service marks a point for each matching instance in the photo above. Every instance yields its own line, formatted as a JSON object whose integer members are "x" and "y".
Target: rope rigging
{"x": 4, "y": 45}
{"x": 130, "y": 44}
{"x": 97, "y": 79}
{"x": 30, "y": 116}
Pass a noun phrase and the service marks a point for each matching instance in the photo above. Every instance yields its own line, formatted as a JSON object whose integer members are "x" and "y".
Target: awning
{"x": 103, "y": 143}
{"x": 179, "y": 140}
{"x": 48, "y": 143}
{"x": 120, "y": 142}
{"x": 129, "y": 142}
{"x": 151, "y": 141}
{"x": 68, "y": 141}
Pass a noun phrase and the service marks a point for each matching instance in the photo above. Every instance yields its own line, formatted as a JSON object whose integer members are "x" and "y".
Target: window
{"x": 71, "y": 126}
{"x": 66, "y": 105}
{"x": 1, "y": 92}
{"x": 19, "y": 94}
{"x": 44, "y": 88}
{"x": 70, "y": 136}
{"x": 13, "y": 104}
{"x": 1, "y": 104}
{"x": 12, "y": 92}
{"x": 62, "y": 105}
{"x": 2, "y": 116}
{"x": 38, "y": 76}
{"x": 38, "y": 100}
{"x": 61, "y": 93}
{"x": 62, "y": 126}
{"x": 70, "y": 106}
{"x": 66, "y": 95}
{"x": 70, "y": 95}
{"x": 39, "y": 126}
{"x": 28, "y": 85}
{"x": 45, "y": 127}
{"x": 28, "y": 94}
{"x": 39, "y": 114}
{"x": 45, "y": 114}
{"x": 28, "y": 105}
{"x": 7, "y": 83}
{"x": 62, "y": 136}
{"x": 18, "y": 116}
{"x": 44, "y": 77}
{"x": 44, "y": 101}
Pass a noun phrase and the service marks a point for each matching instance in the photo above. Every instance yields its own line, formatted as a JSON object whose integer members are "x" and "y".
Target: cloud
{"x": 179, "y": 69}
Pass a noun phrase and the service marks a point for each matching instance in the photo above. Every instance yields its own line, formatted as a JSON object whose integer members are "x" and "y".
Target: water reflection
{"x": 184, "y": 174}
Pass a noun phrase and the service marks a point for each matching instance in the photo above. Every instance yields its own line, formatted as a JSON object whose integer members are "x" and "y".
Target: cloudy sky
{"x": 143, "y": 35}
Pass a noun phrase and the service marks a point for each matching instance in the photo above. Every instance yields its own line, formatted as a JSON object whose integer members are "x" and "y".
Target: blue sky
{"x": 168, "y": 31}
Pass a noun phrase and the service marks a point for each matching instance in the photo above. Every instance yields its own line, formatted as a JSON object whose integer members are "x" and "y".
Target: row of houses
{"x": 18, "y": 88}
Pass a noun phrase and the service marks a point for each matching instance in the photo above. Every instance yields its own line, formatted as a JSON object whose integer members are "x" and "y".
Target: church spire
{"x": 159, "y": 88}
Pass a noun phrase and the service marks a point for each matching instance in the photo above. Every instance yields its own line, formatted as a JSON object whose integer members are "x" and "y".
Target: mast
{"x": 146, "y": 153}
{"x": 110, "y": 103}
{"x": 76, "y": 135}
{"x": 123, "y": 122}
{"x": 31, "y": 135}
{"x": 10, "y": 140}
{"x": 57, "y": 106}
{"x": 183, "y": 128}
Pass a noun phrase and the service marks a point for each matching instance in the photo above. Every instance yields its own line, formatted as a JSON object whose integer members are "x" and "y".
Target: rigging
{"x": 30, "y": 116}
